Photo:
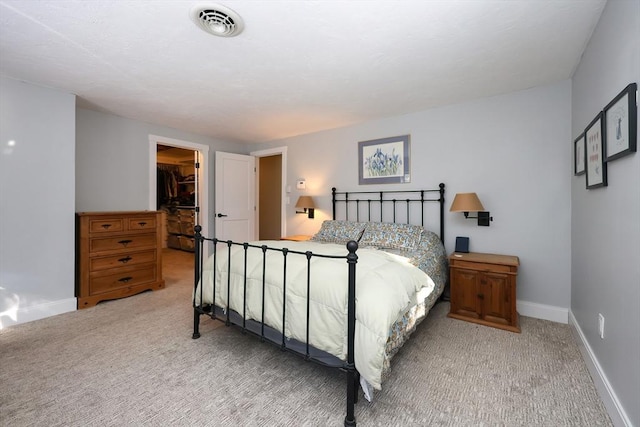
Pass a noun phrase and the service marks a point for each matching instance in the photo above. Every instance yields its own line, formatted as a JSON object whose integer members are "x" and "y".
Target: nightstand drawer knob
{"x": 481, "y": 296}
{"x": 142, "y": 224}
{"x": 125, "y": 279}
{"x": 125, "y": 260}
{"x": 125, "y": 242}
{"x": 106, "y": 226}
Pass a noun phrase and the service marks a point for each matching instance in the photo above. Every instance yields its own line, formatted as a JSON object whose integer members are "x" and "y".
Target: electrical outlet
{"x": 601, "y": 325}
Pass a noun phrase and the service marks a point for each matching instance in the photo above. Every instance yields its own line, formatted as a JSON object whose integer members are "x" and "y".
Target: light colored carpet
{"x": 132, "y": 362}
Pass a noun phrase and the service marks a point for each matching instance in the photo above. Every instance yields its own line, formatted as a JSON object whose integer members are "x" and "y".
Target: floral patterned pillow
{"x": 392, "y": 236}
{"x": 335, "y": 231}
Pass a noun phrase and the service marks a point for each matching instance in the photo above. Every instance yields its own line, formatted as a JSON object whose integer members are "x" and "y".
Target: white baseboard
{"x": 37, "y": 312}
{"x": 542, "y": 311}
{"x": 615, "y": 410}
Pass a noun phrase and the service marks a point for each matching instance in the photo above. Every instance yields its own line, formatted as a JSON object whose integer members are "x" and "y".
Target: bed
{"x": 302, "y": 296}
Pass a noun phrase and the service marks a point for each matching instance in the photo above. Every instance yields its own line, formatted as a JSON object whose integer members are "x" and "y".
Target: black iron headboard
{"x": 371, "y": 200}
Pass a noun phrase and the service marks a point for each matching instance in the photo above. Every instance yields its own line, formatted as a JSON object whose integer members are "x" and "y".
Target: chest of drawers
{"x": 118, "y": 254}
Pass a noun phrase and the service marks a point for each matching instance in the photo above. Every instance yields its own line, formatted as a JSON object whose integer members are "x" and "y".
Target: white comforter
{"x": 386, "y": 285}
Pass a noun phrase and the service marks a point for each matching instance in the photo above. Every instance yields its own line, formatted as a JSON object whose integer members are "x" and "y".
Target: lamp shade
{"x": 466, "y": 202}
{"x": 305, "y": 202}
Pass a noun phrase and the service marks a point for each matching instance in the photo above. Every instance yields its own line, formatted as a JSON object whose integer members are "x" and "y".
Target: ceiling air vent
{"x": 217, "y": 20}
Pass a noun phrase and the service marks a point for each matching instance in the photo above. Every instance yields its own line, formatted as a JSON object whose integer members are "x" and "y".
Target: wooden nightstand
{"x": 297, "y": 238}
{"x": 483, "y": 289}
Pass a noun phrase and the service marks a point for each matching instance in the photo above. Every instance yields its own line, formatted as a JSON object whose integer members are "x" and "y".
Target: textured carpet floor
{"x": 132, "y": 362}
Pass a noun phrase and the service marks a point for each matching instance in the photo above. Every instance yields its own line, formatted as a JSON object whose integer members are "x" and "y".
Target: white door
{"x": 235, "y": 197}
{"x": 196, "y": 185}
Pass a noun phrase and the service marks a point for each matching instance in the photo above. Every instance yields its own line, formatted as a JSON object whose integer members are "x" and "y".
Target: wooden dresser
{"x": 118, "y": 254}
{"x": 483, "y": 289}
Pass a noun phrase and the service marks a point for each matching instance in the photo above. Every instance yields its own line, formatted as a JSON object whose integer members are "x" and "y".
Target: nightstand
{"x": 297, "y": 238}
{"x": 483, "y": 289}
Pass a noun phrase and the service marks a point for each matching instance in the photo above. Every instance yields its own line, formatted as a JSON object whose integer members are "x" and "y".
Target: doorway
{"x": 177, "y": 195}
{"x": 185, "y": 205}
{"x": 271, "y": 195}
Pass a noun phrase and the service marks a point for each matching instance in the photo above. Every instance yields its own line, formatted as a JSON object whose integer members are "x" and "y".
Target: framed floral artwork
{"x": 384, "y": 161}
{"x": 621, "y": 124}
{"x": 595, "y": 164}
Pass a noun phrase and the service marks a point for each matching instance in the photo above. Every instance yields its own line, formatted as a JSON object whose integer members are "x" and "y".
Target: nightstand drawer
{"x": 481, "y": 266}
{"x": 297, "y": 238}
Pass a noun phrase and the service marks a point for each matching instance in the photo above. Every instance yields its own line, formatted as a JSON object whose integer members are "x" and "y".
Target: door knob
{"x": 221, "y": 215}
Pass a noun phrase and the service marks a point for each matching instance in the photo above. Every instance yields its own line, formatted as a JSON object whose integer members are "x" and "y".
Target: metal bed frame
{"x": 353, "y": 201}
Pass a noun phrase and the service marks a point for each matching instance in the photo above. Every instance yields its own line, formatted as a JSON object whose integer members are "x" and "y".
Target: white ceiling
{"x": 299, "y": 66}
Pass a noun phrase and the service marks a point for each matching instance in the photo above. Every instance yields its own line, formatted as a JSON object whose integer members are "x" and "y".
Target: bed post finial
{"x": 333, "y": 201}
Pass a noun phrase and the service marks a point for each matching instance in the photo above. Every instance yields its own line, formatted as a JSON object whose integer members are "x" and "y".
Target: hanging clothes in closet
{"x": 168, "y": 177}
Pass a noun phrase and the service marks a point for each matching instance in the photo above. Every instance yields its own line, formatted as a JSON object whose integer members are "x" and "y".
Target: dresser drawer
{"x": 146, "y": 223}
{"x": 110, "y": 280}
{"x": 133, "y": 241}
{"x": 122, "y": 260}
{"x": 106, "y": 225}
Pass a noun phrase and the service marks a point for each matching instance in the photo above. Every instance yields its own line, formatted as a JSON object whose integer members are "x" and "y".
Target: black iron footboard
{"x": 268, "y": 334}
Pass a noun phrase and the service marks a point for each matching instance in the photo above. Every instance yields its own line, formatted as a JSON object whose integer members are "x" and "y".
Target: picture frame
{"x": 621, "y": 125}
{"x": 384, "y": 161}
{"x": 595, "y": 142}
{"x": 579, "y": 156}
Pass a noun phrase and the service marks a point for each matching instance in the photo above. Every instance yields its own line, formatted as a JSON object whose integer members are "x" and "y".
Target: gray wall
{"x": 605, "y": 232}
{"x": 65, "y": 160}
{"x": 512, "y": 150}
{"x": 112, "y": 168}
{"x": 37, "y": 185}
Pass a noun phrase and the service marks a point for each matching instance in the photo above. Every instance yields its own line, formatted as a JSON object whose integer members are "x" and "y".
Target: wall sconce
{"x": 306, "y": 204}
{"x": 469, "y": 202}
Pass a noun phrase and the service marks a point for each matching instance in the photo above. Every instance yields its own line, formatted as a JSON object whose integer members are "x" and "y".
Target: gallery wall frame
{"x": 384, "y": 161}
{"x": 621, "y": 124}
{"x": 595, "y": 142}
{"x": 579, "y": 156}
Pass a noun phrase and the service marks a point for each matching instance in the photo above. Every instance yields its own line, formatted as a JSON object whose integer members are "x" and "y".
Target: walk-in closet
{"x": 177, "y": 196}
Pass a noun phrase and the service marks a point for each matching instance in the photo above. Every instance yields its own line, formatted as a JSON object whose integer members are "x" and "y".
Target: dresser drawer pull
{"x": 125, "y": 242}
{"x": 125, "y": 260}
{"x": 142, "y": 224}
{"x": 481, "y": 296}
{"x": 106, "y": 226}
{"x": 125, "y": 279}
